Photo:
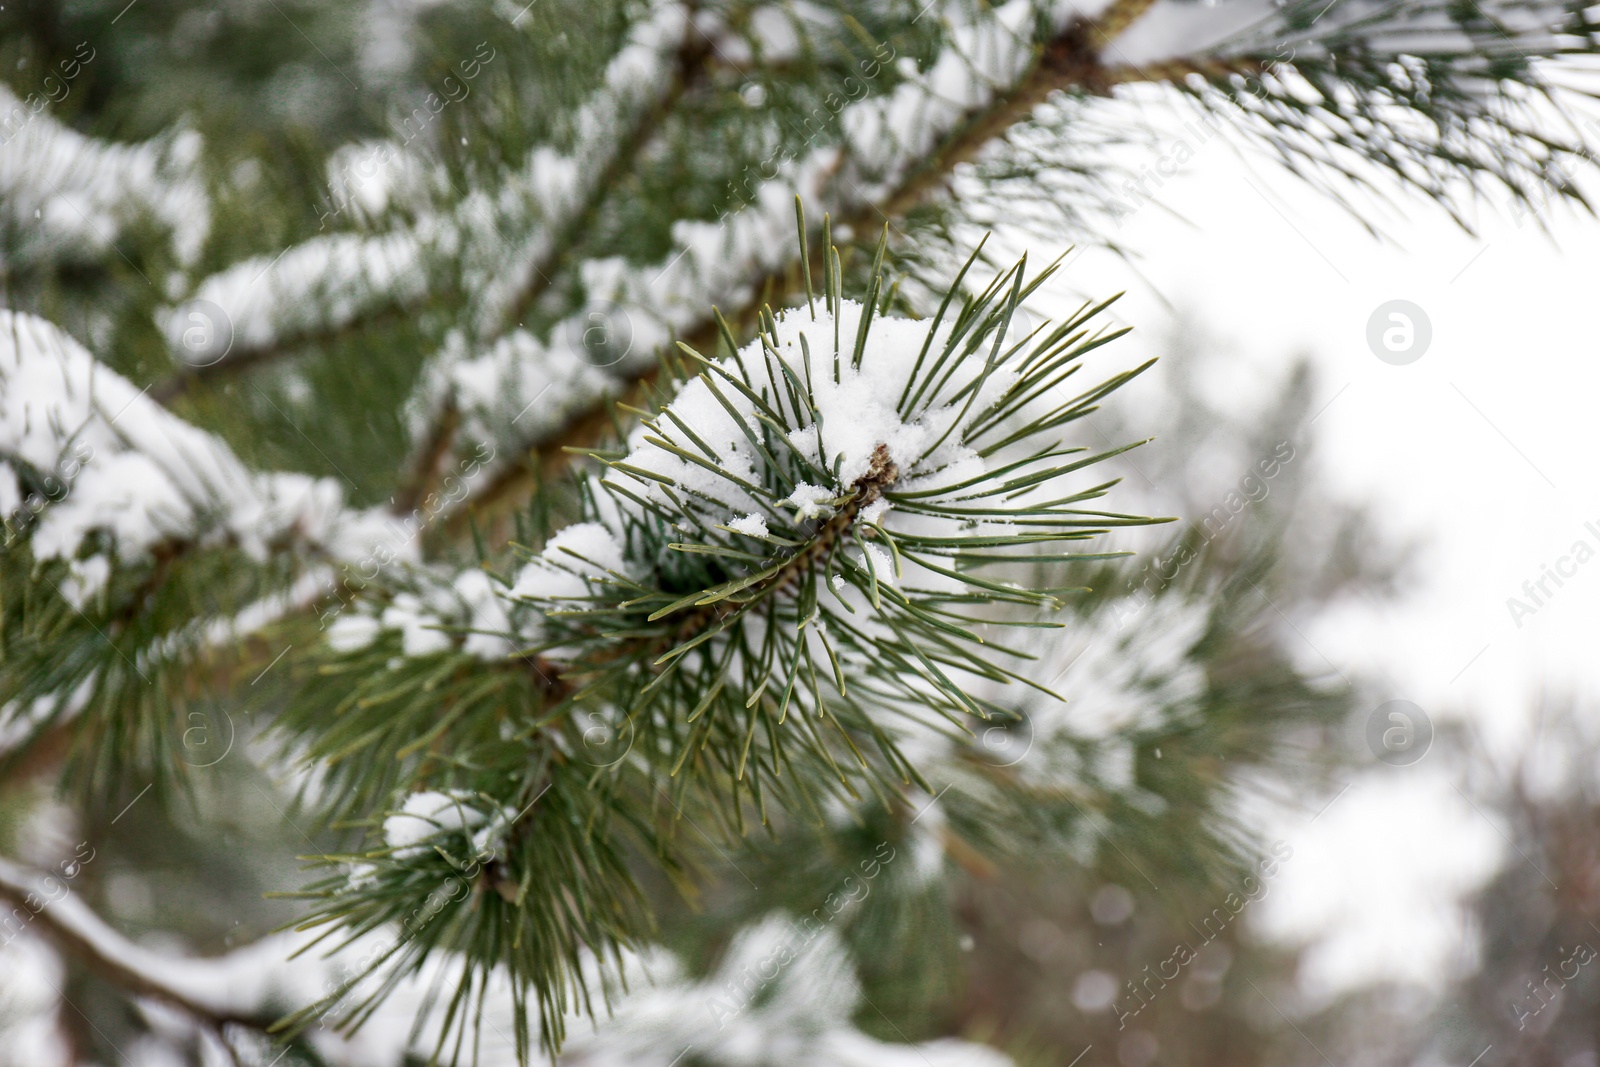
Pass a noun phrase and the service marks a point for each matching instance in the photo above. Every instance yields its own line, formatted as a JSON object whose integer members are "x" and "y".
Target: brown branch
{"x": 428, "y": 459}
{"x": 1118, "y": 17}
{"x": 690, "y": 70}
{"x": 1069, "y": 61}
{"x": 868, "y": 488}
{"x": 1180, "y": 70}
{"x": 84, "y": 936}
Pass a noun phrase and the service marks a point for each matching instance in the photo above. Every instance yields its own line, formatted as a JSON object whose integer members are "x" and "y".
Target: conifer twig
{"x": 193, "y": 986}
{"x": 1071, "y": 60}
{"x": 689, "y": 69}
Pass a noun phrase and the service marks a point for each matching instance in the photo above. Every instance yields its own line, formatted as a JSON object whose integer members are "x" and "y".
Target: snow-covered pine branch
{"x": 67, "y": 198}
{"x": 893, "y": 147}
{"x": 143, "y": 542}
{"x": 802, "y": 971}
{"x": 528, "y": 387}
{"x": 499, "y": 243}
{"x": 1395, "y": 86}
{"x": 887, "y": 141}
{"x": 793, "y": 564}
{"x": 826, "y": 503}
{"x": 779, "y": 564}
{"x": 1456, "y": 101}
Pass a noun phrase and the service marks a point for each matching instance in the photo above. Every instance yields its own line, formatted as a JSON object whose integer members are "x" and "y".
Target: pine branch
{"x": 1068, "y": 61}
{"x": 787, "y": 562}
{"x": 551, "y": 246}
{"x": 1257, "y": 79}
{"x": 689, "y": 71}
{"x": 189, "y": 984}
{"x": 1436, "y": 96}
{"x": 153, "y": 552}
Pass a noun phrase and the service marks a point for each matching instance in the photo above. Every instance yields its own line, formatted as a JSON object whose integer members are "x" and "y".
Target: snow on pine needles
{"x": 839, "y": 499}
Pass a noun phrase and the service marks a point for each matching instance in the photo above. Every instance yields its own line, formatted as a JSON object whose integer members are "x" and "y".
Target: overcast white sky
{"x": 1484, "y": 448}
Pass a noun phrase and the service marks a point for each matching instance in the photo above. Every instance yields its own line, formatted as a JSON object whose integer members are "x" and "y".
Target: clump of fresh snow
{"x": 572, "y": 567}
{"x": 10, "y": 491}
{"x": 352, "y": 632}
{"x": 810, "y": 501}
{"x": 882, "y": 566}
{"x": 488, "y": 617}
{"x": 571, "y": 560}
{"x": 516, "y": 389}
{"x": 65, "y": 194}
{"x": 136, "y": 471}
{"x": 751, "y": 525}
{"x": 420, "y": 634}
{"x": 588, "y": 542}
{"x": 425, "y": 815}
{"x": 1125, "y": 680}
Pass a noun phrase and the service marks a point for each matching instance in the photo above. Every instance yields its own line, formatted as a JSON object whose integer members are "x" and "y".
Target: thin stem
{"x": 194, "y": 986}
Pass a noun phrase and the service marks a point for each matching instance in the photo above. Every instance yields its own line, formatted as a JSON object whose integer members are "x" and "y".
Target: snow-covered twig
{"x": 335, "y": 283}
{"x": 66, "y": 195}
{"x": 207, "y": 989}
{"x": 137, "y": 471}
{"x": 897, "y": 152}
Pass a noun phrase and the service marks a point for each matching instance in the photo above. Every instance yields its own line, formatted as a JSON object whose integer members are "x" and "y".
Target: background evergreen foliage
{"x": 404, "y": 276}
